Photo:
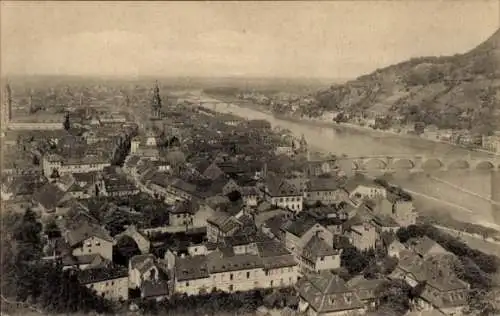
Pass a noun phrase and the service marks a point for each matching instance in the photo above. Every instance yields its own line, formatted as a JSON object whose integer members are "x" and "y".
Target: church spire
{"x": 156, "y": 102}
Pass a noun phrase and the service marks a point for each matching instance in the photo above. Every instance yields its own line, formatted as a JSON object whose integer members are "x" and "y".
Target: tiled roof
{"x": 141, "y": 262}
{"x": 300, "y": 225}
{"x": 111, "y": 272}
{"x": 95, "y": 260}
{"x": 365, "y": 288}
{"x": 191, "y": 268}
{"x": 151, "y": 289}
{"x": 422, "y": 245}
{"x": 223, "y": 222}
{"x": 183, "y": 185}
{"x": 85, "y": 231}
{"x": 316, "y": 248}
{"x": 280, "y": 187}
{"x": 324, "y": 184}
{"x": 385, "y": 221}
{"x": 326, "y": 292}
{"x": 185, "y": 207}
{"x": 436, "y": 274}
{"x": 219, "y": 263}
{"x": 49, "y": 196}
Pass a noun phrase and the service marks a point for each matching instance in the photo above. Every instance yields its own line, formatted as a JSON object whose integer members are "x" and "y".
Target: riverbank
{"x": 317, "y": 122}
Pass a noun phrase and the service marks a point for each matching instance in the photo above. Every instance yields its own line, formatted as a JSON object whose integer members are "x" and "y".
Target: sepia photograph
{"x": 250, "y": 158}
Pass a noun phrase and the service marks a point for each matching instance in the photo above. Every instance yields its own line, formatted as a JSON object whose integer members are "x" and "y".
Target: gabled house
{"x": 250, "y": 195}
{"x": 325, "y": 190}
{"x": 89, "y": 239}
{"x": 318, "y": 255}
{"x": 182, "y": 214}
{"x": 425, "y": 247}
{"x": 327, "y": 294}
{"x": 110, "y": 282}
{"x": 439, "y": 287}
{"x": 299, "y": 231}
{"x": 366, "y": 289}
{"x": 362, "y": 234}
{"x": 359, "y": 188}
{"x": 143, "y": 268}
{"x": 221, "y": 225}
{"x": 281, "y": 193}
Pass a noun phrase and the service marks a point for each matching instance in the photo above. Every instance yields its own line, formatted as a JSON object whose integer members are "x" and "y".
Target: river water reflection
{"x": 360, "y": 143}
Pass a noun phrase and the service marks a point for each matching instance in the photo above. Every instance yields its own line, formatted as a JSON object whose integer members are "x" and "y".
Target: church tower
{"x": 6, "y": 107}
{"x": 156, "y": 103}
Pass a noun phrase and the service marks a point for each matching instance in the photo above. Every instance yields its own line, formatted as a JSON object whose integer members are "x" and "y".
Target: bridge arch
{"x": 459, "y": 164}
{"x": 485, "y": 165}
{"x": 403, "y": 163}
{"x": 142, "y": 242}
{"x": 432, "y": 164}
{"x": 374, "y": 164}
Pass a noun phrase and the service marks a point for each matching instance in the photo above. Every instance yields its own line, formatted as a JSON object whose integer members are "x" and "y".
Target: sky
{"x": 338, "y": 39}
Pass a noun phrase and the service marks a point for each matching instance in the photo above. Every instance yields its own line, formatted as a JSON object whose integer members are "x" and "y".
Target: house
{"x": 298, "y": 233}
{"x": 326, "y": 294}
{"x": 439, "y": 287}
{"x": 268, "y": 266}
{"x": 359, "y": 188}
{"x": 250, "y": 195}
{"x": 115, "y": 185}
{"x": 325, "y": 190}
{"x": 425, "y": 247}
{"x": 83, "y": 262}
{"x": 363, "y": 235}
{"x": 110, "y": 282}
{"x": 49, "y": 197}
{"x": 385, "y": 223}
{"x": 320, "y": 167}
{"x": 366, "y": 289}
{"x": 221, "y": 225}
{"x": 90, "y": 239}
{"x": 281, "y": 193}
{"x": 155, "y": 290}
{"x": 142, "y": 268}
{"x": 182, "y": 214}
{"x": 318, "y": 255}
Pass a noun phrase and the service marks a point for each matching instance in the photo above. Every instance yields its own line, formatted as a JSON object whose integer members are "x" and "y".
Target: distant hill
{"x": 460, "y": 91}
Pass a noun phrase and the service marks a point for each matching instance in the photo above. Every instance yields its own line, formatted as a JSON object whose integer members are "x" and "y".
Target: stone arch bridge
{"x": 415, "y": 163}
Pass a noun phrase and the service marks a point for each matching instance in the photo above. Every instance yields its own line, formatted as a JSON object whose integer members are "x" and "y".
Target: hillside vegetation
{"x": 460, "y": 91}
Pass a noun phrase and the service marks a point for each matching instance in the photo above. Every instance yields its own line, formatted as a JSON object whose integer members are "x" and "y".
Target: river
{"x": 436, "y": 193}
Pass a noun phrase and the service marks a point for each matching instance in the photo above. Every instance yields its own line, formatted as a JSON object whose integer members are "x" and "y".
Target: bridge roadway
{"x": 413, "y": 163}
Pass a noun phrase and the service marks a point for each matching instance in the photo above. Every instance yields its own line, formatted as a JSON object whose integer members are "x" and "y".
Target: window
{"x": 267, "y": 273}
{"x": 248, "y": 275}
{"x": 187, "y": 283}
{"x": 322, "y": 258}
{"x": 231, "y": 287}
{"x": 231, "y": 277}
{"x": 271, "y": 283}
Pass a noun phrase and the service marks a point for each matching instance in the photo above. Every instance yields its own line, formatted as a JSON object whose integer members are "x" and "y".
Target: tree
{"x": 412, "y": 231}
{"x": 353, "y": 260}
{"x": 27, "y": 235}
{"x": 52, "y": 230}
{"x": 234, "y": 196}
{"x": 66, "y": 124}
{"x": 394, "y": 295}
